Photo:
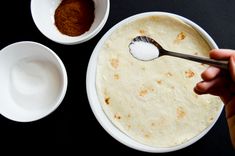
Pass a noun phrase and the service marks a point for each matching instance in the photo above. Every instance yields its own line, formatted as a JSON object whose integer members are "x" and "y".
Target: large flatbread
{"x": 153, "y": 102}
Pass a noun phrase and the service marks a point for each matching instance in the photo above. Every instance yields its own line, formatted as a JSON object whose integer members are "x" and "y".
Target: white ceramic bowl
{"x": 96, "y": 105}
{"x": 21, "y": 64}
{"x": 43, "y": 16}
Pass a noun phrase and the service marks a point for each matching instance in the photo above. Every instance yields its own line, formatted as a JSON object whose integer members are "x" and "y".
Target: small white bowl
{"x": 33, "y": 81}
{"x": 96, "y": 105}
{"x": 43, "y": 15}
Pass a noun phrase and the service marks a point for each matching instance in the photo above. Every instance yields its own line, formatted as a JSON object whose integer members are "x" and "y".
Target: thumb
{"x": 232, "y": 67}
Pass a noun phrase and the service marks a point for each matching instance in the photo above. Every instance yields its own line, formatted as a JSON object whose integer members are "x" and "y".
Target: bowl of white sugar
{"x": 33, "y": 81}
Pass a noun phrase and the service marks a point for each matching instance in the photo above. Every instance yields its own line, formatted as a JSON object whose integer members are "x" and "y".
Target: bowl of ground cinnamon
{"x": 70, "y": 21}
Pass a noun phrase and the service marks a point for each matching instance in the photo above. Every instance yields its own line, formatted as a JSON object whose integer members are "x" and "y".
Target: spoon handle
{"x": 212, "y": 62}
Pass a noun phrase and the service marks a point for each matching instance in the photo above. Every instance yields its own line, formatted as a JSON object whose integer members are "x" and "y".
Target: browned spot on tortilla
{"x": 107, "y": 100}
{"x": 146, "y": 135}
{"x": 151, "y": 89}
{"x": 143, "y": 92}
{"x": 129, "y": 126}
{"x": 180, "y": 36}
{"x": 142, "y": 32}
{"x": 116, "y": 76}
{"x": 180, "y": 112}
{"x": 117, "y": 116}
{"x": 172, "y": 87}
{"x": 189, "y": 73}
{"x": 158, "y": 122}
{"x": 159, "y": 81}
{"x": 114, "y": 63}
{"x": 153, "y": 18}
{"x": 196, "y": 53}
{"x": 129, "y": 115}
{"x": 143, "y": 68}
{"x": 211, "y": 118}
{"x": 169, "y": 74}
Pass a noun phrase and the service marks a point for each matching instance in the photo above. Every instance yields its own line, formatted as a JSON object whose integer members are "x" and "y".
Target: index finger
{"x": 221, "y": 54}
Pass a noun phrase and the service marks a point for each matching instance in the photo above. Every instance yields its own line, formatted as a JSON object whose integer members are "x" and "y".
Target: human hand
{"x": 221, "y": 83}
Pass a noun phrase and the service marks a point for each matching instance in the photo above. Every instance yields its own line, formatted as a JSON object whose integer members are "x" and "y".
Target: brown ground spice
{"x": 74, "y": 17}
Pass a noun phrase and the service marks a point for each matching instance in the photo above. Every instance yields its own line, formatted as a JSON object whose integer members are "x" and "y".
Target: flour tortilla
{"x": 153, "y": 102}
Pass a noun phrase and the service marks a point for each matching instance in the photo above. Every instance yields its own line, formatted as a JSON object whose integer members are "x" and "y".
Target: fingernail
{"x": 232, "y": 61}
{"x": 232, "y": 67}
{"x": 198, "y": 87}
{"x": 233, "y": 58}
{"x": 197, "y": 91}
{"x": 210, "y": 69}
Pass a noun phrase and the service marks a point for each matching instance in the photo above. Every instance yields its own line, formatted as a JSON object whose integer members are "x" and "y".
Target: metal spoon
{"x": 212, "y": 62}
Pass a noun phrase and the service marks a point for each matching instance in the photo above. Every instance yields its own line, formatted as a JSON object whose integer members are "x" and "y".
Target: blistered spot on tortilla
{"x": 107, "y": 100}
{"x": 117, "y": 116}
{"x": 172, "y": 87}
{"x": 129, "y": 126}
{"x": 116, "y": 76}
{"x": 180, "y": 112}
{"x": 181, "y": 36}
{"x": 169, "y": 74}
{"x": 152, "y": 124}
{"x": 153, "y": 18}
{"x": 196, "y": 53}
{"x": 159, "y": 81}
{"x": 143, "y": 92}
{"x": 151, "y": 89}
{"x": 142, "y": 32}
{"x": 146, "y": 135}
{"x": 129, "y": 115}
{"x": 211, "y": 119}
{"x": 189, "y": 73}
{"x": 114, "y": 63}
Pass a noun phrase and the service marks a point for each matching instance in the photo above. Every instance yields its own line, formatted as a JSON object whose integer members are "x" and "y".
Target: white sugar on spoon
{"x": 143, "y": 50}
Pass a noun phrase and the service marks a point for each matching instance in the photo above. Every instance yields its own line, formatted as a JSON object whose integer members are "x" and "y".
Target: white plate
{"x": 96, "y": 105}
